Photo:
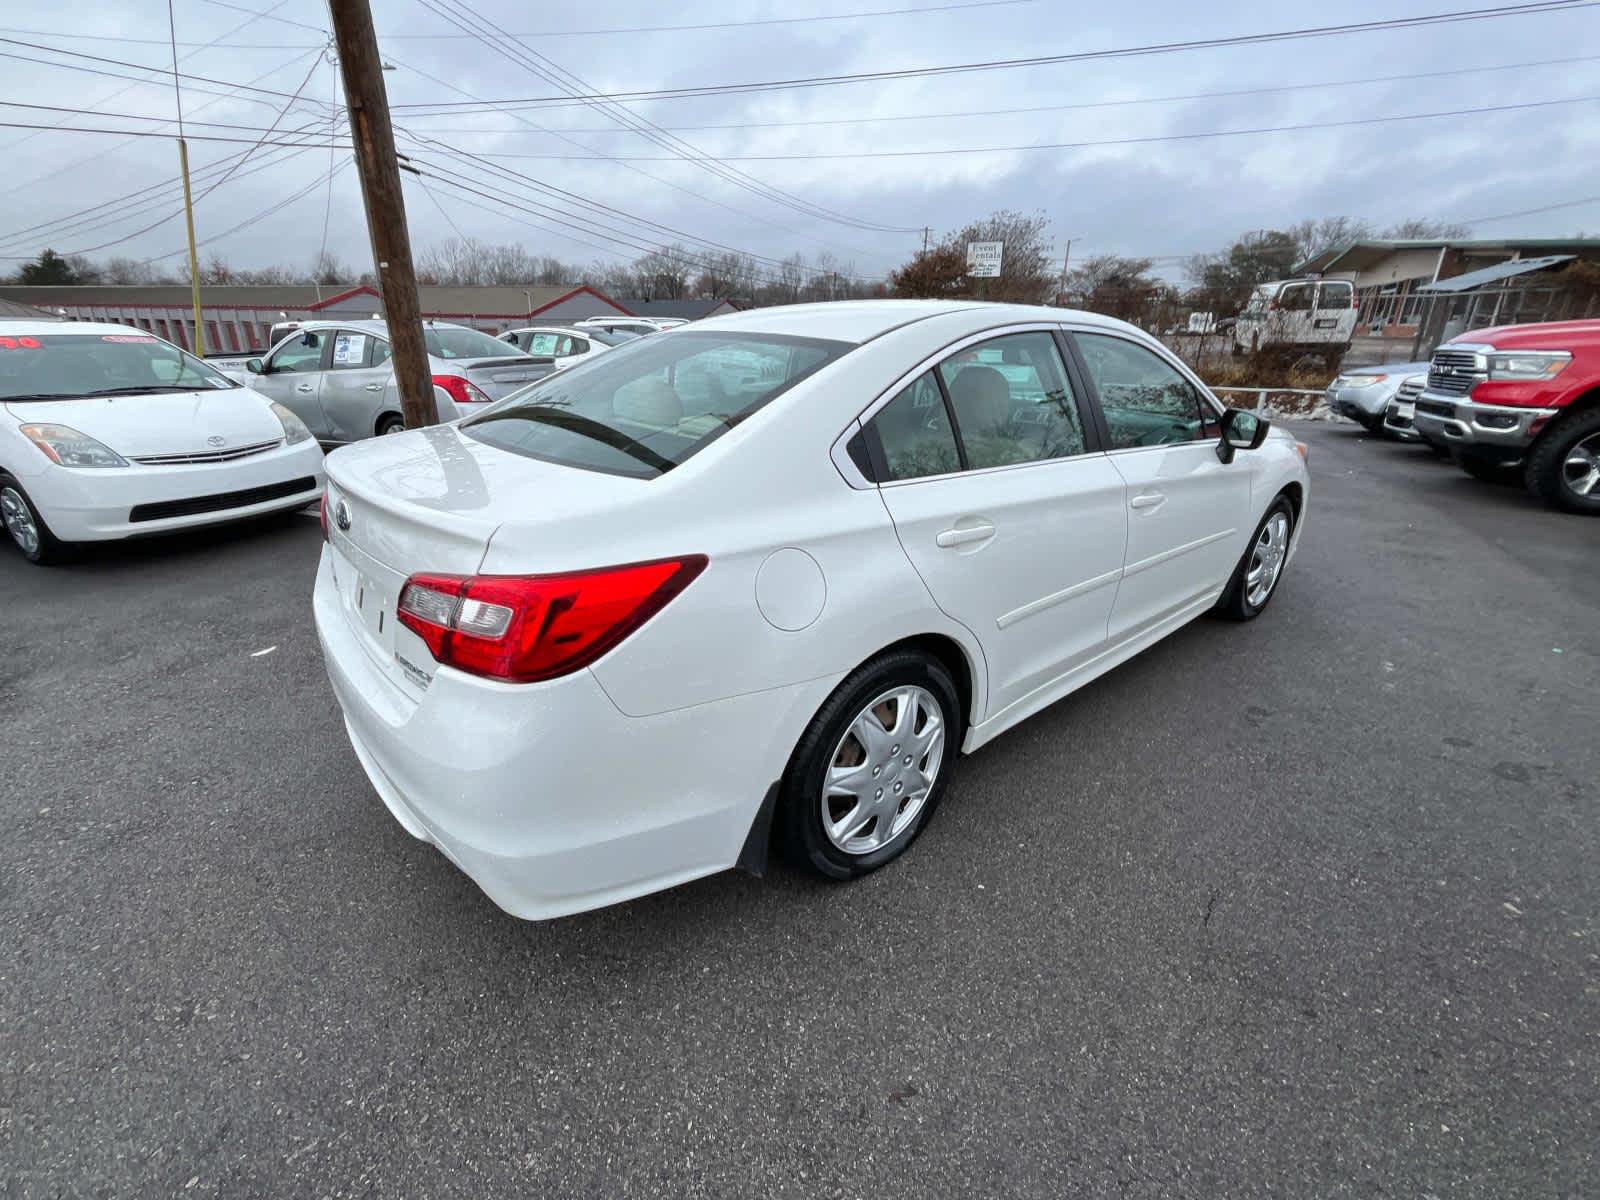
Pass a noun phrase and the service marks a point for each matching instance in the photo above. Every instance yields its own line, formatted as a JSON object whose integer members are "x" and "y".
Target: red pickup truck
{"x": 1521, "y": 398}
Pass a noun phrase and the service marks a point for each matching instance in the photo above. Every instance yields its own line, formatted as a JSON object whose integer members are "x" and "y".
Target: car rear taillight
{"x": 525, "y": 628}
{"x": 462, "y": 391}
{"x": 322, "y": 513}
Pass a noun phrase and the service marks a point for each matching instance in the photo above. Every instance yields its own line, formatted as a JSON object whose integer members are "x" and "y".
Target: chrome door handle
{"x": 374, "y": 387}
{"x": 964, "y": 536}
{"x": 1148, "y": 500}
{"x": 305, "y": 387}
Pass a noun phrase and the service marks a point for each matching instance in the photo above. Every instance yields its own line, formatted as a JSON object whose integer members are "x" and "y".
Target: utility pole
{"x": 370, "y": 130}
{"x": 188, "y": 199}
{"x": 925, "y": 232}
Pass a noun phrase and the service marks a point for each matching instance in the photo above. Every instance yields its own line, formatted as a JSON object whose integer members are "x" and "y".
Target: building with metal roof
{"x": 1400, "y": 283}
{"x": 238, "y": 316}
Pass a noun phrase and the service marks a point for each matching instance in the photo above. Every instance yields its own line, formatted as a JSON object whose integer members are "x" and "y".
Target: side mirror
{"x": 1241, "y": 430}
{"x": 253, "y": 365}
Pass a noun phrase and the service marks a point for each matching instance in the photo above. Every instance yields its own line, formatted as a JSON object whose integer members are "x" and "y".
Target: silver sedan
{"x": 338, "y": 378}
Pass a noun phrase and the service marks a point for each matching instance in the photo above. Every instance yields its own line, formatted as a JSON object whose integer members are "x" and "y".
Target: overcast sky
{"x": 1155, "y": 199}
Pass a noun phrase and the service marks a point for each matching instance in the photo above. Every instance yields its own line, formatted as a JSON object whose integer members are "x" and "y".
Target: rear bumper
{"x": 546, "y": 795}
{"x": 98, "y": 505}
{"x": 1456, "y": 421}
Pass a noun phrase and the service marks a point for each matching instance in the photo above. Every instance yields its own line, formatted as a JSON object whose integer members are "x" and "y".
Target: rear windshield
{"x": 464, "y": 343}
{"x": 68, "y": 366}
{"x": 610, "y": 337}
{"x": 646, "y": 407}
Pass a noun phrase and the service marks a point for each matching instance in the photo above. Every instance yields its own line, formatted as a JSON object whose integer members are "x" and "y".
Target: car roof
{"x": 46, "y": 328}
{"x": 860, "y": 321}
{"x": 546, "y": 329}
{"x": 372, "y": 325}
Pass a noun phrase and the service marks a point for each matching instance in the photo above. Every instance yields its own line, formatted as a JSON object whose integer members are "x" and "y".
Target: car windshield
{"x": 609, "y": 337}
{"x": 449, "y": 342}
{"x": 69, "y": 366}
{"x": 652, "y": 404}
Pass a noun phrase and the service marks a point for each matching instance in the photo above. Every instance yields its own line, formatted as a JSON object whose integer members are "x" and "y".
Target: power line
{"x": 460, "y": 13}
{"x": 558, "y": 33}
{"x": 1134, "y": 141}
{"x": 1251, "y": 39}
{"x": 167, "y": 71}
{"x": 1078, "y": 105}
{"x": 282, "y": 112}
{"x": 1529, "y": 212}
{"x": 562, "y": 193}
{"x": 195, "y": 137}
{"x": 125, "y": 206}
{"x": 229, "y": 33}
{"x": 218, "y": 98}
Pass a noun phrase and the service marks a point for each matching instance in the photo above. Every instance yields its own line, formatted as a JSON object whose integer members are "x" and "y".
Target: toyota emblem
{"x": 341, "y": 516}
{"x": 214, "y": 440}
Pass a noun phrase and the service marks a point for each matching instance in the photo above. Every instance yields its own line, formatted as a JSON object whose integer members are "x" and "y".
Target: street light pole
{"x": 370, "y": 130}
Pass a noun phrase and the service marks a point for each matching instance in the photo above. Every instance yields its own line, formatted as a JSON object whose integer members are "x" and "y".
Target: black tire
{"x": 1488, "y": 470}
{"x": 800, "y": 806}
{"x": 390, "y": 423}
{"x": 47, "y": 549}
{"x": 1234, "y": 603}
{"x": 1546, "y": 470}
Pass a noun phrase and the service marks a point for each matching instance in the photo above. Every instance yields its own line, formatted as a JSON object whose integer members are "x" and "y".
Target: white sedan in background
{"x": 566, "y": 346}
{"x": 109, "y": 432}
{"x": 766, "y": 578}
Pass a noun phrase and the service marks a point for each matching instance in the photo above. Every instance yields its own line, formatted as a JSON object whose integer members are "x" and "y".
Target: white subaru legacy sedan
{"x": 108, "y": 432}
{"x": 760, "y": 582}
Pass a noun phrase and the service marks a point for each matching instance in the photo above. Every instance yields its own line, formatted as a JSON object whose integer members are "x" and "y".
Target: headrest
{"x": 982, "y": 399}
{"x": 648, "y": 401}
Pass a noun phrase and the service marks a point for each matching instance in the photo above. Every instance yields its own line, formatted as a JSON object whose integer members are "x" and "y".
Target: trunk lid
{"x": 429, "y": 501}
{"x": 501, "y": 376}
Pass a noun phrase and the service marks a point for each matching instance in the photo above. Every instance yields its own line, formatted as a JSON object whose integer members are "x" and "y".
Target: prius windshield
{"x": 646, "y": 407}
{"x": 70, "y": 366}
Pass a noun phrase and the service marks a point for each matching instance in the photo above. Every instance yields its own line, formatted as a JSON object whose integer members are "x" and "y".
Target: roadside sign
{"x": 983, "y": 259}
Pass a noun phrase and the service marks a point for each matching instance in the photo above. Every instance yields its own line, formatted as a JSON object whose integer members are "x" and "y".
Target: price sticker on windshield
{"x": 127, "y": 339}
{"x": 20, "y": 343}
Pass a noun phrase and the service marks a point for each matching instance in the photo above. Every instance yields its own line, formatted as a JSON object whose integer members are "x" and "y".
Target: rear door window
{"x": 1334, "y": 296}
{"x": 914, "y": 432}
{"x": 349, "y": 350}
{"x": 1012, "y": 401}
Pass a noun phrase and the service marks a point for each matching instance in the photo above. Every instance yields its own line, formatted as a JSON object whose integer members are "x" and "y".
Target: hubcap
{"x": 1581, "y": 471}
{"x": 1266, "y": 560}
{"x": 19, "y": 521}
{"x": 882, "y": 770}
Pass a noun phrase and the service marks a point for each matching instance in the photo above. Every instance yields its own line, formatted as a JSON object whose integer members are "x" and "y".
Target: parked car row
{"x": 1516, "y": 403}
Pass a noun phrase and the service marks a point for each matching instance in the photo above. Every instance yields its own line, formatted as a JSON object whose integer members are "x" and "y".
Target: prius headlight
{"x": 66, "y": 447}
{"x": 294, "y": 429}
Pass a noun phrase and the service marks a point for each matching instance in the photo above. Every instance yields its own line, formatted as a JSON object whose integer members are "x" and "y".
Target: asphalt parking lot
{"x": 1306, "y": 907}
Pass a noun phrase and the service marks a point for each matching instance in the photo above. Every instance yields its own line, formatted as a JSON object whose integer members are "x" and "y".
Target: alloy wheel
{"x": 883, "y": 769}
{"x": 1580, "y": 472}
{"x": 19, "y": 521}
{"x": 1266, "y": 560}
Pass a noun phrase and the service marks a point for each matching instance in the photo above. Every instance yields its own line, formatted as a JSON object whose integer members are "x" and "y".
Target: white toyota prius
{"x": 108, "y": 432}
{"x": 760, "y": 582}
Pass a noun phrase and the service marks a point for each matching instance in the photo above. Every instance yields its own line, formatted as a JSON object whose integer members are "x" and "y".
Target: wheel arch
{"x": 955, "y": 658}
